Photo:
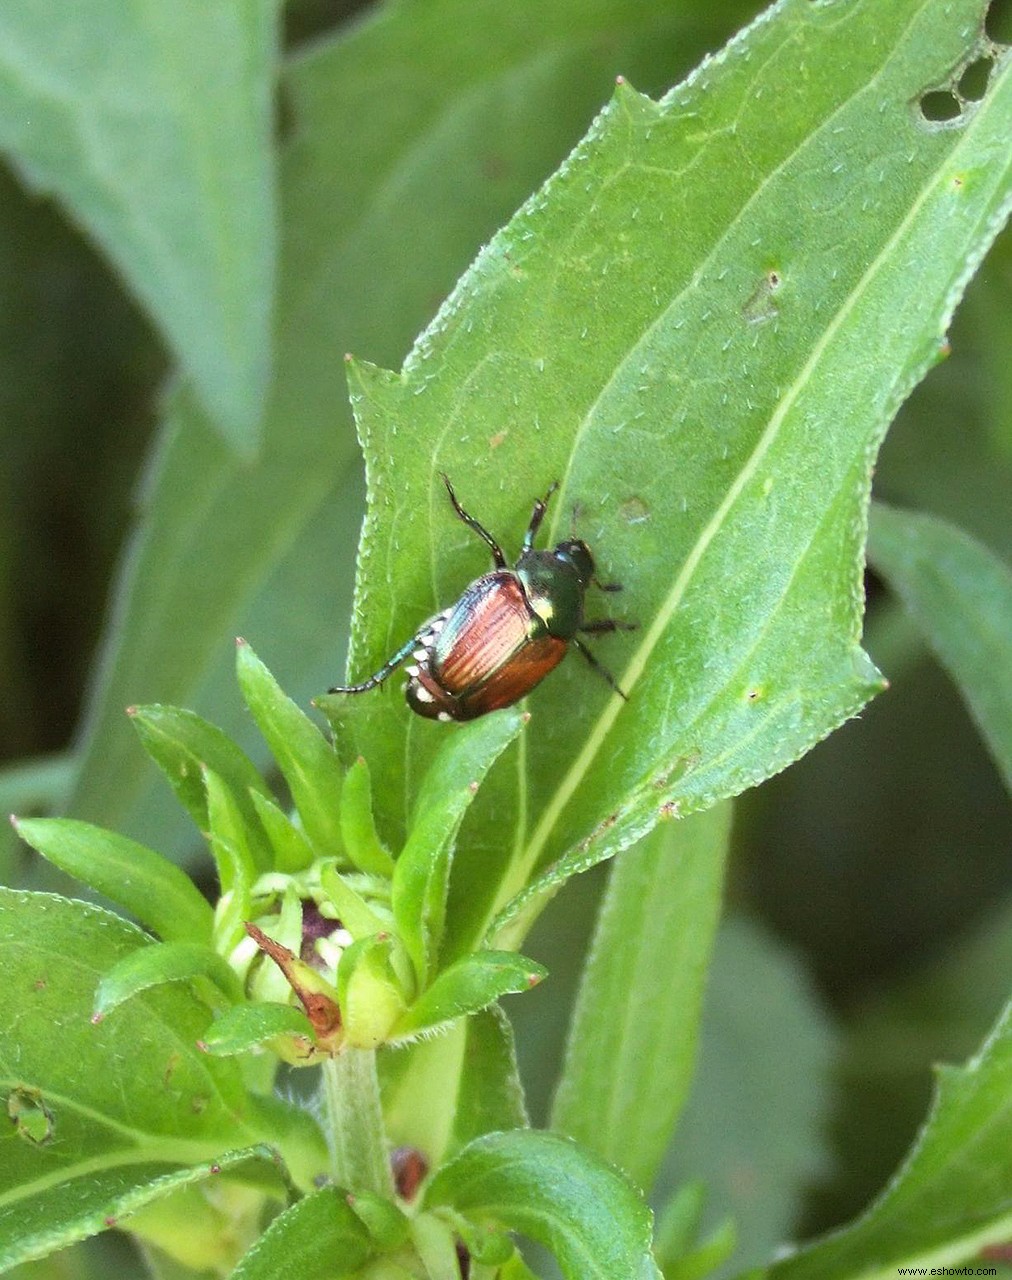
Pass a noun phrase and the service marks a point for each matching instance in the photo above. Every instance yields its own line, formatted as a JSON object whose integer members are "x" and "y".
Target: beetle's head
{"x": 576, "y": 552}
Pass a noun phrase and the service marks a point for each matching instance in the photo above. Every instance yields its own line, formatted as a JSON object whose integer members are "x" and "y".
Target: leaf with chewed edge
{"x": 682, "y": 329}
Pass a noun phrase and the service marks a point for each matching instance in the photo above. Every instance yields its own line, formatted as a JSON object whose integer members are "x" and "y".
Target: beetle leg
{"x": 601, "y": 626}
{"x": 380, "y": 675}
{"x": 598, "y": 667}
{"x": 607, "y": 586}
{"x": 480, "y": 530}
{"x": 537, "y": 515}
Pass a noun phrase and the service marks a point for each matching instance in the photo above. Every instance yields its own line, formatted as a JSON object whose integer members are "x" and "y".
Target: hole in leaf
{"x": 760, "y": 306}
{"x": 940, "y": 105}
{"x": 998, "y": 22}
{"x": 30, "y": 1116}
{"x": 973, "y": 82}
{"x": 634, "y": 510}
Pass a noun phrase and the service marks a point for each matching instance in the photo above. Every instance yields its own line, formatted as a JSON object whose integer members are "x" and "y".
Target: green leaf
{"x": 229, "y": 839}
{"x": 162, "y": 897}
{"x": 466, "y": 987}
{"x": 676, "y": 1247}
{"x": 961, "y": 596}
{"x": 755, "y": 1126}
{"x": 361, "y": 841}
{"x": 554, "y": 1192}
{"x": 304, "y": 756}
{"x": 153, "y": 125}
{"x": 441, "y": 1093}
{"x": 384, "y": 1221}
{"x": 354, "y": 912}
{"x": 694, "y": 347}
{"x": 320, "y": 1238}
{"x": 245, "y": 1026}
{"x": 423, "y": 867}
{"x": 292, "y": 851}
{"x": 133, "y": 1108}
{"x": 436, "y": 1247}
{"x": 390, "y": 114}
{"x": 949, "y": 1199}
{"x": 712, "y": 1253}
{"x": 183, "y": 744}
{"x": 632, "y": 1043}
{"x": 164, "y": 962}
{"x": 109, "y": 1197}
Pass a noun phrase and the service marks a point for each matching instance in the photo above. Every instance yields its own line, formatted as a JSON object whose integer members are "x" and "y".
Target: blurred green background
{"x": 869, "y": 930}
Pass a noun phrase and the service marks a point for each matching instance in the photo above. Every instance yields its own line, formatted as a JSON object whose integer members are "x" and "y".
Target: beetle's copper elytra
{"x": 505, "y": 633}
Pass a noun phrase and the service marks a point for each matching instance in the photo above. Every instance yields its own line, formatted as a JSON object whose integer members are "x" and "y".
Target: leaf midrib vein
{"x": 635, "y": 667}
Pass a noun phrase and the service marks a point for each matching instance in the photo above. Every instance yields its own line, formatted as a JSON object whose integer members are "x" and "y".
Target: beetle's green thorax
{"x": 554, "y": 583}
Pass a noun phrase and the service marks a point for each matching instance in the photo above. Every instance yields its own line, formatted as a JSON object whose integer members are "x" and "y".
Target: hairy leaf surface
{"x": 111, "y": 1115}
{"x": 692, "y": 327}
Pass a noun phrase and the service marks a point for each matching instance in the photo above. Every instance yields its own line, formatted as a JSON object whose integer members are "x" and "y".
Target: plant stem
{"x": 354, "y": 1119}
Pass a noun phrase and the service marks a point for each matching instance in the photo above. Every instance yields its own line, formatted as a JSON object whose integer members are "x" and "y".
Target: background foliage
{"x": 870, "y": 887}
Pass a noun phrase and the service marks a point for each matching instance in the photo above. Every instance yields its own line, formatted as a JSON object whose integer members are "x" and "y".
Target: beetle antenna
{"x": 480, "y": 530}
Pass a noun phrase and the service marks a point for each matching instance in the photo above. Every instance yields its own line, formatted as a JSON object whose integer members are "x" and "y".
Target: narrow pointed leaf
{"x": 127, "y": 1102}
{"x": 151, "y": 888}
{"x": 554, "y": 1192}
{"x": 304, "y": 756}
{"x": 694, "y": 346}
{"x": 361, "y": 840}
{"x": 632, "y": 1044}
{"x": 230, "y": 836}
{"x": 182, "y": 744}
{"x": 436, "y": 1247}
{"x": 108, "y": 1200}
{"x": 246, "y": 1026}
{"x": 466, "y": 987}
{"x": 449, "y": 787}
{"x": 368, "y": 176}
{"x": 354, "y": 912}
{"x": 320, "y": 1238}
{"x": 950, "y": 1197}
{"x": 755, "y": 1129}
{"x": 384, "y": 1221}
{"x": 292, "y": 851}
{"x": 961, "y": 596}
{"x": 153, "y": 123}
{"x": 165, "y": 962}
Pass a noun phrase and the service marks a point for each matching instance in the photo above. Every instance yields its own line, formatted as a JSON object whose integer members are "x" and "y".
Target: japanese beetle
{"x": 505, "y": 633}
